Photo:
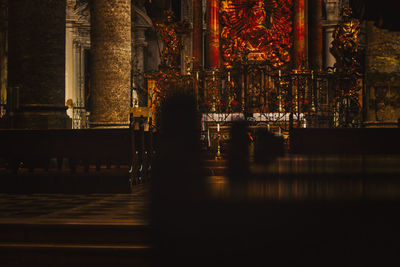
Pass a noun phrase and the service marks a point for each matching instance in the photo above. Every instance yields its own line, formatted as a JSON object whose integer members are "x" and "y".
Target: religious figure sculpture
{"x": 170, "y": 32}
{"x": 258, "y": 29}
{"x": 345, "y": 44}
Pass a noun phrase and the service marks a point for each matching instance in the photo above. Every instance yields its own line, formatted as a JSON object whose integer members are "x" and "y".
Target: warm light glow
{"x": 259, "y": 28}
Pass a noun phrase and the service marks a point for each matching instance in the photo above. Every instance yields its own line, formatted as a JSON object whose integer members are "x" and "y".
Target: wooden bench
{"x": 345, "y": 141}
{"x": 102, "y": 147}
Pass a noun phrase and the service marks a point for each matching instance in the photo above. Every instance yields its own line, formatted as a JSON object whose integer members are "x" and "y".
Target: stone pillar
{"x": 187, "y": 39}
{"x": 37, "y": 62}
{"x": 110, "y": 63}
{"x": 140, "y": 45}
{"x": 316, "y": 40}
{"x": 142, "y": 23}
{"x": 300, "y": 44}
{"x": 332, "y": 19}
{"x": 197, "y": 34}
{"x": 213, "y": 34}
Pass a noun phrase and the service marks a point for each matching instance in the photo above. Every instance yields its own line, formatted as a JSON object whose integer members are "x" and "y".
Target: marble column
{"x": 110, "y": 63}
{"x": 213, "y": 53}
{"x": 300, "y": 28}
{"x": 37, "y": 62}
{"x": 332, "y": 8}
{"x": 197, "y": 34}
{"x": 316, "y": 38}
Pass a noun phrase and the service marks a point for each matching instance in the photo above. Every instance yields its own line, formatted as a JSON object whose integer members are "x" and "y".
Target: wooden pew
{"x": 36, "y": 147}
{"x": 345, "y": 141}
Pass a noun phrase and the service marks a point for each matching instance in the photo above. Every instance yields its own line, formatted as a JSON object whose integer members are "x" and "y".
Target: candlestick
{"x": 208, "y": 137}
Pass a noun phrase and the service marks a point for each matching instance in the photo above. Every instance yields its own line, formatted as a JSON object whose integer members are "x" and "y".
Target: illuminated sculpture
{"x": 346, "y": 41}
{"x": 260, "y": 29}
{"x": 170, "y": 34}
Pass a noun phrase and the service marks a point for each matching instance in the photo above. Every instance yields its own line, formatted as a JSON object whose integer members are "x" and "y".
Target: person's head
{"x": 346, "y": 13}
{"x": 169, "y": 14}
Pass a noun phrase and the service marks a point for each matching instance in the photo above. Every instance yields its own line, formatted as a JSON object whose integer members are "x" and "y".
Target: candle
{"x": 213, "y": 75}
{"x": 229, "y": 76}
{"x": 280, "y": 73}
{"x": 218, "y": 127}
{"x": 295, "y": 71}
{"x": 312, "y": 75}
{"x": 197, "y": 75}
{"x": 208, "y": 137}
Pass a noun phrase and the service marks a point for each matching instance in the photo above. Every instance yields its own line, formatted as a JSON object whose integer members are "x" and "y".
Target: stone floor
{"x": 296, "y": 206}
{"x": 128, "y": 209}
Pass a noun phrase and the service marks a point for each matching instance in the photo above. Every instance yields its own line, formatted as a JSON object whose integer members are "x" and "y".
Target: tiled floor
{"x": 76, "y": 209}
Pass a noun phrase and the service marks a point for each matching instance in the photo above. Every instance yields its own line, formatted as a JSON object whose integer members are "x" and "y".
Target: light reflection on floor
{"x": 315, "y": 178}
{"x": 302, "y": 189}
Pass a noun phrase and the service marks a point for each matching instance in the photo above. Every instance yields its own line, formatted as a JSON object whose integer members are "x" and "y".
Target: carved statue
{"x": 261, "y": 29}
{"x": 170, "y": 32}
{"x": 346, "y": 41}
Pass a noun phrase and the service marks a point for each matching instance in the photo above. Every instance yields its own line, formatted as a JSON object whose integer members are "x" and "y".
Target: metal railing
{"x": 80, "y": 116}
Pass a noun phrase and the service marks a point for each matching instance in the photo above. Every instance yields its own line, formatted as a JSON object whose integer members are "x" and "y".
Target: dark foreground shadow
{"x": 191, "y": 228}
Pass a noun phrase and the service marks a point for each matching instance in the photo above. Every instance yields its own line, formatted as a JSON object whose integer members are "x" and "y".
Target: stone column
{"x": 300, "y": 49}
{"x": 332, "y": 19}
{"x": 187, "y": 38}
{"x": 140, "y": 45}
{"x": 110, "y": 63}
{"x": 37, "y": 62}
{"x": 197, "y": 34}
{"x": 316, "y": 40}
{"x": 213, "y": 34}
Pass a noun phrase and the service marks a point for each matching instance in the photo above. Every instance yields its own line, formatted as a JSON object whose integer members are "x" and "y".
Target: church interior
{"x": 199, "y": 132}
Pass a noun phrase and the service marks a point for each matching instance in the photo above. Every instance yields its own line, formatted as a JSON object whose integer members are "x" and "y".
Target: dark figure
{"x": 267, "y": 147}
{"x": 177, "y": 184}
{"x": 238, "y": 158}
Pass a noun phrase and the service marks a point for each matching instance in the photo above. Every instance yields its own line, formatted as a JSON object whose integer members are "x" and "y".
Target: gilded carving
{"x": 170, "y": 33}
{"x": 346, "y": 40}
{"x": 258, "y": 29}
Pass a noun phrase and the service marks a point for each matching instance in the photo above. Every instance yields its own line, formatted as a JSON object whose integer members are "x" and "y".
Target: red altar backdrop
{"x": 260, "y": 29}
